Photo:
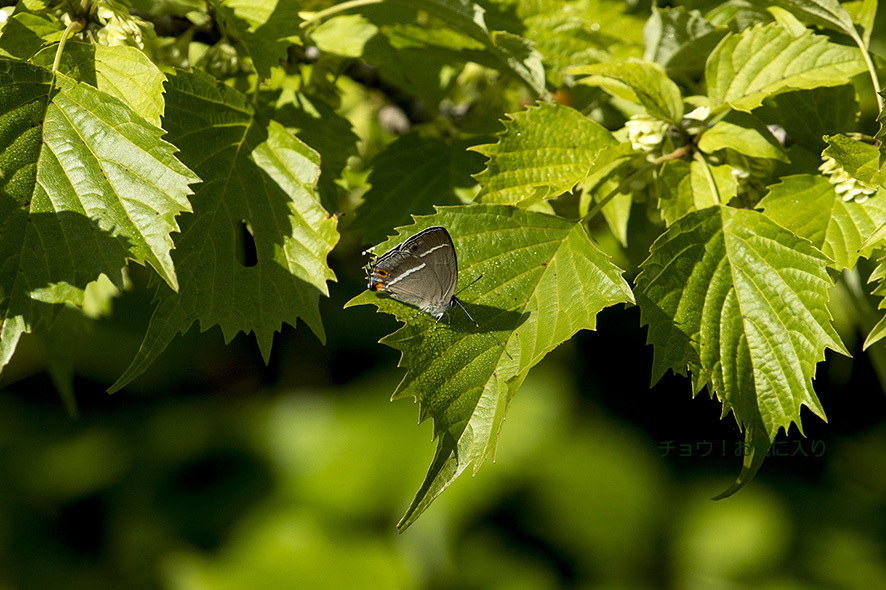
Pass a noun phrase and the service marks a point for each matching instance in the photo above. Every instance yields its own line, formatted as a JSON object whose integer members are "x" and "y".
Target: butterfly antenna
{"x": 468, "y": 285}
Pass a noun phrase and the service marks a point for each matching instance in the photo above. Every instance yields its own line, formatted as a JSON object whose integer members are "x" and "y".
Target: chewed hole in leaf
{"x": 247, "y": 255}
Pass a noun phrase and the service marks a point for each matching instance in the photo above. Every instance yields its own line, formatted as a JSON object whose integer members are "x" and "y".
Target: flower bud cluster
{"x": 119, "y": 27}
{"x": 851, "y": 189}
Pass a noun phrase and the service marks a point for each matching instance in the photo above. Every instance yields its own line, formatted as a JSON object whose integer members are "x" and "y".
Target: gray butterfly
{"x": 421, "y": 272}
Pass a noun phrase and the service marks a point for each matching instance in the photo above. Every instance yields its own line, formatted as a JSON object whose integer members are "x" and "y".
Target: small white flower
{"x": 849, "y": 188}
{"x": 646, "y": 133}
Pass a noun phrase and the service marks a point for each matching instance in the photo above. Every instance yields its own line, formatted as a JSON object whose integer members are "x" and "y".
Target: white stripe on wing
{"x": 423, "y": 254}
{"x": 406, "y": 274}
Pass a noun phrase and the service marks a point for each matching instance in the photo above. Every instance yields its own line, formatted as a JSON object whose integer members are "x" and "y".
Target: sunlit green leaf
{"x": 878, "y": 332}
{"x": 542, "y": 281}
{"x": 123, "y": 72}
{"x": 881, "y": 133}
{"x": 547, "y": 148}
{"x": 569, "y": 33}
{"x": 87, "y": 186}
{"x": 765, "y": 60}
{"x": 743, "y": 133}
{"x": 683, "y": 187}
{"x": 610, "y": 167}
{"x": 809, "y": 206}
{"x": 863, "y": 14}
{"x": 674, "y": 191}
{"x": 861, "y": 161}
{"x": 25, "y": 34}
{"x": 649, "y": 83}
{"x": 344, "y": 35}
{"x": 317, "y": 124}
{"x": 617, "y": 212}
{"x": 825, "y": 13}
{"x": 711, "y": 185}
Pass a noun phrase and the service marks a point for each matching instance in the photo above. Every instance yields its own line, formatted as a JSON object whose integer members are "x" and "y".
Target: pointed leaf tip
{"x": 542, "y": 281}
{"x": 757, "y": 342}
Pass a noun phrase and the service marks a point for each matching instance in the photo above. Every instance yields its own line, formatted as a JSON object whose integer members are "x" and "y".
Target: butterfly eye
{"x": 381, "y": 272}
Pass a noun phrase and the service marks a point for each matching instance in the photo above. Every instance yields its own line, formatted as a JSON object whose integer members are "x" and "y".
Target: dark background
{"x": 215, "y": 471}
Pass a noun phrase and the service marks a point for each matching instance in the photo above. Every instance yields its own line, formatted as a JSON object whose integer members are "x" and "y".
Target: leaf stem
{"x": 333, "y": 10}
{"x": 75, "y": 26}
{"x": 674, "y": 155}
{"x": 875, "y": 80}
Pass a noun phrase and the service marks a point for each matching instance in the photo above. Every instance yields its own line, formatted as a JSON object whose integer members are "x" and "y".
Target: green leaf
{"x": 683, "y": 187}
{"x": 317, "y": 124}
{"x": 123, "y": 72}
{"x": 864, "y": 14}
{"x": 858, "y": 159}
{"x": 711, "y": 185}
{"x": 766, "y": 60}
{"x": 807, "y": 115}
{"x": 610, "y": 168}
{"x": 829, "y": 14}
{"x": 616, "y": 212}
{"x": 345, "y": 35}
{"x": 737, "y": 15}
{"x": 542, "y": 281}
{"x": 879, "y": 330}
{"x": 787, "y": 20}
{"x": 743, "y": 302}
{"x": 263, "y": 27}
{"x": 420, "y": 63}
{"x": 87, "y": 185}
{"x": 569, "y": 33}
{"x": 513, "y": 53}
{"x": 64, "y": 340}
{"x": 410, "y": 176}
{"x": 25, "y": 34}
{"x": 680, "y": 40}
{"x": 756, "y": 447}
{"x": 809, "y": 206}
{"x": 546, "y": 149}
{"x": 454, "y": 32}
{"x": 743, "y": 133}
{"x": 258, "y": 183}
{"x": 674, "y": 191}
{"x": 649, "y": 83}
{"x": 521, "y": 58}
{"x": 564, "y": 33}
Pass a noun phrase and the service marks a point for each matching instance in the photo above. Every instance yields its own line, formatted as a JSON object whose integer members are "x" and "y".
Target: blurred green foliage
{"x": 230, "y": 475}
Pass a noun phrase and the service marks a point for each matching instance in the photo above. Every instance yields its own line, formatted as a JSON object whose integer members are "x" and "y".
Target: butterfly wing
{"x": 422, "y": 271}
